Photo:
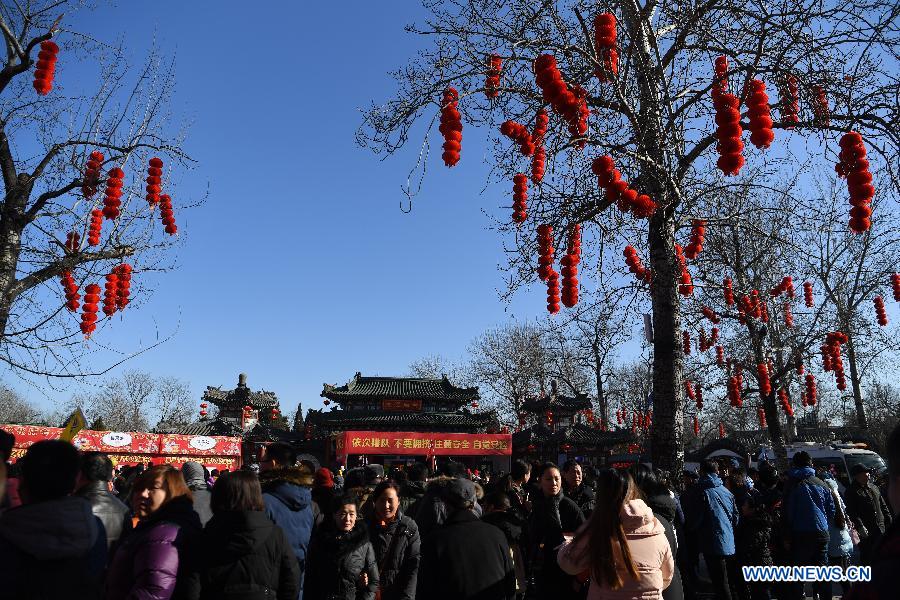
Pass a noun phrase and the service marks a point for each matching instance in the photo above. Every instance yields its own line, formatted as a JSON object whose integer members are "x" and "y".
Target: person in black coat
{"x": 341, "y": 563}
{"x": 752, "y": 540}
{"x": 395, "y": 540}
{"x": 662, "y": 504}
{"x": 95, "y": 473}
{"x": 553, "y": 517}
{"x": 243, "y": 555}
{"x": 499, "y": 513}
{"x": 576, "y": 489}
{"x": 465, "y": 558}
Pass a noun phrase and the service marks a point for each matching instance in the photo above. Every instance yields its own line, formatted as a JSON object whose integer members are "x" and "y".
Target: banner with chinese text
{"x": 423, "y": 443}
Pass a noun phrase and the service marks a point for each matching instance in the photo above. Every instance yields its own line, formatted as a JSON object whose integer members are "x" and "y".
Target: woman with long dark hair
{"x": 623, "y": 547}
{"x": 663, "y": 504}
{"x": 395, "y": 539}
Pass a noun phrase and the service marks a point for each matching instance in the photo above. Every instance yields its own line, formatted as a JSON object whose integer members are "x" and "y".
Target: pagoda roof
{"x": 556, "y": 402}
{"x": 415, "y": 388}
{"x": 230, "y": 427}
{"x": 348, "y": 420}
{"x": 261, "y": 399}
{"x": 578, "y": 433}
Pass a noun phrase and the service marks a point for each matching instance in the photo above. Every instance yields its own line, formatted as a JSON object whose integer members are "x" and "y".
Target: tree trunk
{"x": 602, "y": 402}
{"x": 10, "y": 247}
{"x": 855, "y": 383}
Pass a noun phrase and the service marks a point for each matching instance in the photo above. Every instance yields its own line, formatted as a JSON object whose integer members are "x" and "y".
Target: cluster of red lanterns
{"x": 853, "y": 165}
{"x": 895, "y": 285}
{"x": 820, "y": 105}
{"x": 689, "y": 390}
{"x": 686, "y": 284}
{"x": 620, "y": 415}
{"x": 698, "y": 400}
{"x": 114, "y": 183}
{"x": 880, "y": 312}
{"x": 710, "y": 314}
{"x": 761, "y": 413}
{"x": 154, "y": 180}
{"x": 635, "y": 265}
{"x": 123, "y": 289}
{"x": 765, "y": 384}
{"x": 734, "y": 391}
{"x": 721, "y": 430}
{"x": 71, "y": 291}
{"x": 706, "y": 344}
{"x": 111, "y": 294}
{"x": 95, "y": 227}
{"x": 539, "y": 161}
{"x": 451, "y": 127}
{"x": 167, "y": 215}
{"x": 520, "y": 135}
{"x": 570, "y": 104}
{"x": 617, "y": 189}
{"x": 548, "y": 416}
{"x": 798, "y": 364}
{"x": 831, "y": 357}
{"x": 810, "y": 399}
{"x": 89, "y": 309}
{"x": 545, "y": 251}
{"x": 785, "y": 287}
{"x": 686, "y": 342}
{"x": 45, "y": 68}
{"x": 790, "y": 102}
{"x": 759, "y": 113}
{"x": 720, "y": 356}
{"x": 605, "y": 44}
{"x": 728, "y": 121}
{"x": 492, "y": 81}
{"x": 203, "y": 406}
{"x": 569, "y": 269}
{"x": 92, "y": 171}
{"x": 728, "y": 291}
{"x": 808, "y": 294}
{"x": 73, "y": 240}
{"x": 785, "y": 402}
{"x": 698, "y": 235}
{"x": 788, "y": 316}
{"x": 520, "y": 198}
{"x": 696, "y": 426}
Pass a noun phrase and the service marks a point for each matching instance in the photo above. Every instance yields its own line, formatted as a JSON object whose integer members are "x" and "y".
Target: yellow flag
{"x": 74, "y": 424}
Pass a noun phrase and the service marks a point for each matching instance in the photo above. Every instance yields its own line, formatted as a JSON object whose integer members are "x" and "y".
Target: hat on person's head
{"x": 857, "y": 469}
{"x": 461, "y": 491}
{"x": 373, "y": 474}
{"x": 324, "y": 478}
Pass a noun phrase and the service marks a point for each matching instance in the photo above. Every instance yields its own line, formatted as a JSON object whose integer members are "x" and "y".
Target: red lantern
{"x": 89, "y": 309}
{"x": 761, "y": 413}
{"x": 785, "y": 402}
{"x": 698, "y": 235}
{"x": 728, "y": 120}
{"x": 728, "y": 292}
{"x": 154, "y": 180}
{"x": 111, "y": 295}
{"x": 821, "y": 112}
{"x": 247, "y": 408}
{"x": 788, "y": 316}
{"x": 91, "y": 178}
{"x": 759, "y": 113}
{"x": 492, "y": 81}
{"x": 689, "y": 389}
{"x": 95, "y": 227}
{"x": 605, "y": 44}
{"x": 808, "y": 294}
{"x": 45, "y": 68}
{"x": 204, "y": 404}
{"x": 790, "y": 102}
{"x": 686, "y": 287}
{"x": 112, "y": 200}
{"x": 721, "y": 430}
{"x": 635, "y": 265}
{"x": 714, "y": 336}
{"x": 123, "y": 291}
{"x": 855, "y": 167}
{"x": 570, "y": 267}
{"x": 698, "y": 393}
{"x": 553, "y": 296}
{"x": 618, "y": 191}
{"x": 686, "y": 342}
{"x": 710, "y": 314}
{"x": 569, "y": 103}
{"x": 475, "y": 404}
{"x": 720, "y": 356}
{"x": 765, "y": 385}
{"x": 520, "y": 135}
{"x": 326, "y": 401}
{"x": 619, "y": 417}
{"x": 539, "y": 161}
{"x": 565, "y": 448}
{"x": 531, "y": 448}
{"x": 895, "y": 285}
{"x": 734, "y": 391}
{"x": 798, "y": 364}
{"x": 202, "y": 413}
{"x": 71, "y": 291}
{"x": 545, "y": 251}
{"x": 696, "y": 426}
{"x": 73, "y": 241}
{"x": 810, "y": 390}
{"x": 549, "y": 417}
{"x": 520, "y": 197}
{"x": 451, "y": 127}
{"x": 880, "y": 312}
{"x": 167, "y": 215}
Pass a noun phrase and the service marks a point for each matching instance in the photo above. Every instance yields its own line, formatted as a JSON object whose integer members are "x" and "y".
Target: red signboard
{"x": 137, "y": 447}
{"x": 423, "y": 444}
{"x": 402, "y": 405}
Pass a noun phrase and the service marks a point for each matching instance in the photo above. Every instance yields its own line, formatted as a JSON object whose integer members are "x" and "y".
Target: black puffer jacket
{"x": 550, "y": 518}
{"x": 675, "y": 590}
{"x": 583, "y": 496}
{"x": 410, "y": 493}
{"x": 111, "y": 511}
{"x": 867, "y": 508}
{"x": 335, "y": 562}
{"x": 752, "y": 539}
{"x": 397, "y": 559}
{"x": 244, "y": 556}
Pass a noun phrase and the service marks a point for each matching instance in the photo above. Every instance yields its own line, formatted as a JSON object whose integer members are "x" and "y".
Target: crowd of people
{"x": 72, "y": 527}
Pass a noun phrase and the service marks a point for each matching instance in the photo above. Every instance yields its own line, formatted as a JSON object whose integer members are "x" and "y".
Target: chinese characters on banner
{"x": 427, "y": 444}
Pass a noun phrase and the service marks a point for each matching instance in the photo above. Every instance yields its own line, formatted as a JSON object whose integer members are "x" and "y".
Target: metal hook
{"x": 406, "y": 211}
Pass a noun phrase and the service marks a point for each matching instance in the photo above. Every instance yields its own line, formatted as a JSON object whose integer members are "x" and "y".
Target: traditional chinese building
{"x": 564, "y": 426}
{"x": 399, "y": 419}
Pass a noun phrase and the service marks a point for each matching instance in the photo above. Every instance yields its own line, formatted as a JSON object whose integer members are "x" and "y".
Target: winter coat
{"x": 196, "y": 482}
{"x": 885, "y": 565}
{"x": 288, "y": 501}
{"x": 753, "y": 537}
{"x": 243, "y": 556}
{"x": 156, "y": 555}
{"x": 397, "y": 547}
{"x": 111, "y": 511}
{"x": 650, "y": 552}
{"x": 839, "y": 543}
{"x": 513, "y": 527}
{"x": 550, "y": 519}
{"x": 715, "y": 519}
{"x": 867, "y": 508}
{"x": 808, "y": 504}
{"x": 518, "y": 496}
{"x": 675, "y": 590}
{"x": 583, "y": 496}
{"x": 50, "y": 550}
{"x": 336, "y": 561}
{"x": 431, "y": 511}
{"x": 323, "y": 498}
{"x": 466, "y": 559}
{"x": 410, "y": 493}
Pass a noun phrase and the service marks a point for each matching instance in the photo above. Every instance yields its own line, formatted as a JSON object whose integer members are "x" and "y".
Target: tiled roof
{"x": 577, "y": 434}
{"x": 261, "y": 399}
{"x": 400, "y": 388}
{"x": 557, "y": 402}
{"x": 217, "y": 426}
{"x": 345, "y": 420}
{"x": 742, "y": 442}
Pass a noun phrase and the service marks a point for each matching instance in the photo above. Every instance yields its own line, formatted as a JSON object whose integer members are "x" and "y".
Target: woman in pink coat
{"x": 622, "y": 548}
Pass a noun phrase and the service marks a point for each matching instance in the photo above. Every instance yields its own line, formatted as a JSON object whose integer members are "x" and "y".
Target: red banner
{"x": 138, "y": 447}
{"x": 423, "y": 444}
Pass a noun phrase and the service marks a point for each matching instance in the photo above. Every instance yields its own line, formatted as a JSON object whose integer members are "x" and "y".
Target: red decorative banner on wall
{"x": 402, "y": 405}
{"x": 423, "y": 444}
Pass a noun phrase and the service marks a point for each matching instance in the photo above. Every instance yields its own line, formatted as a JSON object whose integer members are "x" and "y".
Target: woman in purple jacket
{"x": 152, "y": 559}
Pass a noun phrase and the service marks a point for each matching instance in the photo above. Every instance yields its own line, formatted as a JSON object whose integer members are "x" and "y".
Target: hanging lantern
{"x": 111, "y": 295}
{"x": 570, "y": 268}
{"x": 880, "y": 312}
{"x": 111, "y": 201}
{"x": 686, "y": 287}
{"x": 720, "y": 356}
{"x": 710, "y": 314}
{"x": 790, "y": 102}
{"x": 821, "y": 112}
{"x": 154, "y": 180}
{"x": 728, "y": 120}
{"x": 553, "y": 297}
{"x": 326, "y": 401}
{"x": 696, "y": 426}
{"x": 895, "y": 285}
{"x": 73, "y": 241}
{"x": 565, "y": 448}
{"x": 689, "y": 389}
{"x": 698, "y": 397}
{"x": 71, "y": 290}
{"x": 811, "y": 391}
{"x": 721, "y": 430}
{"x": 765, "y": 385}
{"x": 123, "y": 285}
{"x": 569, "y": 102}
{"x": 788, "y": 316}
{"x": 203, "y": 413}
{"x": 451, "y": 127}
{"x": 761, "y": 413}
{"x": 635, "y": 265}
{"x": 492, "y": 81}
{"x": 89, "y": 309}
{"x": 167, "y": 215}
{"x": 808, "y": 294}
{"x": 549, "y": 417}
{"x": 686, "y": 342}
{"x": 520, "y": 198}
{"x": 728, "y": 292}
{"x": 759, "y": 113}
{"x": 617, "y": 189}
{"x": 734, "y": 392}
{"x": 520, "y": 135}
{"x": 475, "y": 404}
{"x": 785, "y": 402}
{"x": 855, "y": 167}
{"x": 247, "y": 408}
{"x": 539, "y": 161}
{"x": 95, "y": 227}
{"x": 531, "y": 448}
{"x": 605, "y": 44}
{"x": 204, "y": 404}
{"x": 92, "y": 171}
{"x": 45, "y": 68}
{"x": 698, "y": 236}
{"x": 545, "y": 251}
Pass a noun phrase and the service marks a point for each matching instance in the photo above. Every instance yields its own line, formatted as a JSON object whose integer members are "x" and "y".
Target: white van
{"x": 838, "y": 457}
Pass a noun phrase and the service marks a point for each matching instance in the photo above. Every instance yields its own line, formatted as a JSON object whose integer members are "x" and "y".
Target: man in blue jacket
{"x": 808, "y": 510}
{"x": 712, "y": 518}
{"x": 288, "y": 498}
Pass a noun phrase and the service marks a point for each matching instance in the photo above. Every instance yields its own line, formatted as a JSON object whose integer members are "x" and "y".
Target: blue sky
{"x": 300, "y": 268}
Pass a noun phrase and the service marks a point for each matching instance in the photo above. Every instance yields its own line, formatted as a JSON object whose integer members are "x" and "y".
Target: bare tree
{"x": 435, "y": 366}
{"x": 123, "y": 403}
{"x": 49, "y": 195}
{"x": 172, "y": 402}
{"x": 652, "y": 114}
{"x": 16, "y": 409}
